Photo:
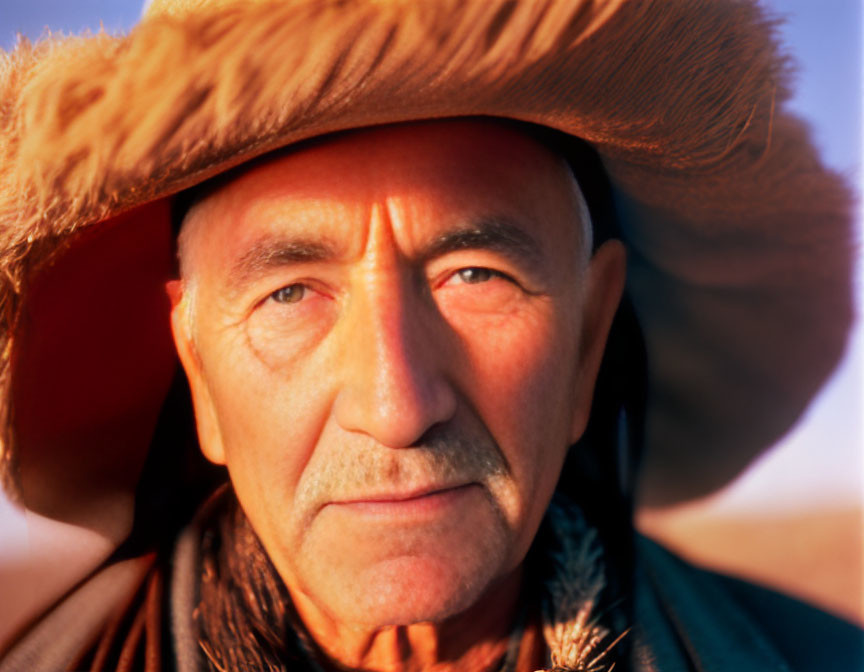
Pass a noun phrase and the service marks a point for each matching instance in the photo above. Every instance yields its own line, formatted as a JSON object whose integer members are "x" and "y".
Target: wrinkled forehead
{"x": 453, "y": 170}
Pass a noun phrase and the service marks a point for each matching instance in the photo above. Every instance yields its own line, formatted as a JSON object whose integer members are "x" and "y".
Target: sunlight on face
{"x": 388, "y": 354}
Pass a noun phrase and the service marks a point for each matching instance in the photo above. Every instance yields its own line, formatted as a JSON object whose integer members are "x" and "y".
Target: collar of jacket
{"x": 684, "y": 618}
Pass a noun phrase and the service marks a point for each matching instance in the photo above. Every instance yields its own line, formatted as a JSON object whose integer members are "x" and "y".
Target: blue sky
{"x": 824, "y": 38}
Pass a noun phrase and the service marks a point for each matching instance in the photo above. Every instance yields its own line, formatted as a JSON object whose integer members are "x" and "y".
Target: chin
{"x": 407, "y": 590}
{"x": 404, "y": 576}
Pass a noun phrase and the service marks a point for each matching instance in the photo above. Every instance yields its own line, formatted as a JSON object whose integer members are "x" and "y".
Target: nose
{"x": 395, "y": 386}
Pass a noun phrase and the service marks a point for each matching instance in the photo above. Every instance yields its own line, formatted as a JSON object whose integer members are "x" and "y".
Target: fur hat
{"x": 738, "y": 238}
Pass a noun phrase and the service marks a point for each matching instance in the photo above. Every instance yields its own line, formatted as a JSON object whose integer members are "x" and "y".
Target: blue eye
{"x": 289, "y": 294}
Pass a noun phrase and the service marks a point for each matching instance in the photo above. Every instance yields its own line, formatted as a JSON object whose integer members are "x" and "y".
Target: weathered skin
{"x": 392, "y": 338}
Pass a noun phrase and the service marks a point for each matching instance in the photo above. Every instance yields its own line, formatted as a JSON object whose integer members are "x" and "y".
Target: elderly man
{"x": 399, "y": 267}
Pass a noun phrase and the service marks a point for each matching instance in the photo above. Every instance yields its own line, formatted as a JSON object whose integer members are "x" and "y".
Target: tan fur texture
{"x": 740, "y": 252}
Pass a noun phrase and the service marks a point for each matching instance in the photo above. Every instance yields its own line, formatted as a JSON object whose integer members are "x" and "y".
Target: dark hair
{"x": 599, "y": 471}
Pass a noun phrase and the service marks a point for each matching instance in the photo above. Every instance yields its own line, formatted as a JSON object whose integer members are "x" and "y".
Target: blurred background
{"x": 793, "y": 521}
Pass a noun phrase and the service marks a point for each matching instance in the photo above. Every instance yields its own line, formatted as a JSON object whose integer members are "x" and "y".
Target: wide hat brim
{"x": 739, "y": 239}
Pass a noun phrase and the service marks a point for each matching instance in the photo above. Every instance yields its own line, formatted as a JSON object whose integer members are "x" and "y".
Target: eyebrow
{"x": 273, "y": 252}
{"x": 496, "y": 234}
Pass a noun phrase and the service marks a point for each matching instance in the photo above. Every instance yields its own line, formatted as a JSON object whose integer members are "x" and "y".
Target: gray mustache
{"x": 443, "y": 457}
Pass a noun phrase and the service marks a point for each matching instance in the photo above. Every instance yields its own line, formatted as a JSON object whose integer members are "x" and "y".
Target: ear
{"x": 209, "y": 437}
{"x": 604, "y": 285}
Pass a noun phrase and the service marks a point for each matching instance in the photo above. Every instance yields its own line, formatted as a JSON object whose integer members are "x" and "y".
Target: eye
{"x": 290, "y": 294}
{"x": 473, "y": 275}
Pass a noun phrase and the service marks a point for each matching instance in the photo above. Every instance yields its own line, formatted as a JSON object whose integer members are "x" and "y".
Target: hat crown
{"x": 180, "y": 8}
{"x": 183, "y": 7}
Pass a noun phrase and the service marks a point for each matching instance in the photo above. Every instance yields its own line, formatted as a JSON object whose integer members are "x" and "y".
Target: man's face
{"x": 391, "y": 339}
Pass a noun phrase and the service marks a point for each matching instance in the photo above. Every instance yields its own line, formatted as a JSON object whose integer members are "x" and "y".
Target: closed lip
{"x": 397, "y": 497}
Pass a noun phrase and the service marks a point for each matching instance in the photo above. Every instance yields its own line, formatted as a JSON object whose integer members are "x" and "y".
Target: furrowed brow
{"x": 272, "y": 253}
{"x": 494, "y": 234}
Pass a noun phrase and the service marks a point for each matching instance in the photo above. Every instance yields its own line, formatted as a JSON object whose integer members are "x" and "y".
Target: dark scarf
{"x": 246, "y": 620}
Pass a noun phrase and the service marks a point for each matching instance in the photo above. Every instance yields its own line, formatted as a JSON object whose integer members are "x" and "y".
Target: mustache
{"x": 444, "y": 457}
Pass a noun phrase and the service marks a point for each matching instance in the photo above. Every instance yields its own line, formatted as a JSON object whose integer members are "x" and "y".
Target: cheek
{"x": 269, "y": 422}
{"x": 522, "y": 367}
{"x": 521, "y": 379}
{"x": 283, "y": 336}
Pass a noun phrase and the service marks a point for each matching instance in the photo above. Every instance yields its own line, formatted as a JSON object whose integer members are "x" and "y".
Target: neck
{"x": 475, "y": 640}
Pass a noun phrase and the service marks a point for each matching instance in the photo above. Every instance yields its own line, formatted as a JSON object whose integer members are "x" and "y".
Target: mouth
{"x": 422, "y": 502}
